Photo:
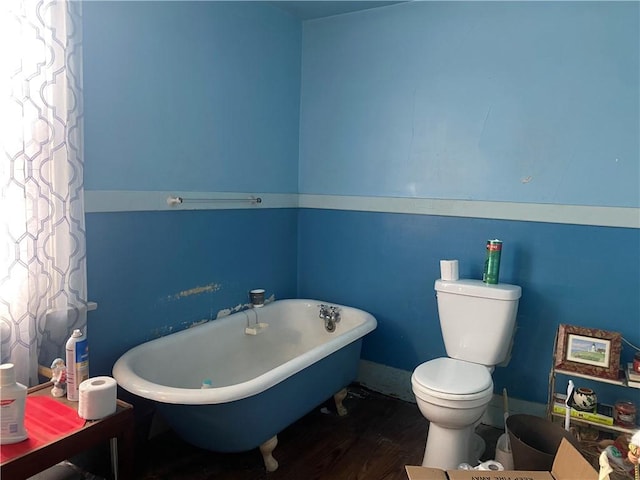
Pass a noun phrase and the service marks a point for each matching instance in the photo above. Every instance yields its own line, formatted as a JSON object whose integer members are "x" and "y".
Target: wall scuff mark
{"x": 228, "y": 311}
{"x": 243, "y": 306}
{"x": 168, "y": 329}
{"x": 196, "y": 323}
{"x": 161, "y": 331}
{"x": 212, "y": 287}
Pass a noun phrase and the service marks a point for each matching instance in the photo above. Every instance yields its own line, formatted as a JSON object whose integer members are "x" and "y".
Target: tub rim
{"x": 129, "y": 380}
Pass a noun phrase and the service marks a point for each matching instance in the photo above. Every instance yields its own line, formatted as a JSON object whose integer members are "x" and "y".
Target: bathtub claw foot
{"x": 266, "y": 449}
{"x": 338, "y": 398}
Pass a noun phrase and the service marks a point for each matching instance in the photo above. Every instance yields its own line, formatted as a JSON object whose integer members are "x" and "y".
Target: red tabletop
{"x": 45, "y": 420}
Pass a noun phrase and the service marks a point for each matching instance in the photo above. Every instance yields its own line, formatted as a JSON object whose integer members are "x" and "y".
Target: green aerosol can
{"x": 492, "y": 262}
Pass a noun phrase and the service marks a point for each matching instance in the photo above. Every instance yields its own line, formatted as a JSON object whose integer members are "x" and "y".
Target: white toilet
{"x": 477, "y": 322}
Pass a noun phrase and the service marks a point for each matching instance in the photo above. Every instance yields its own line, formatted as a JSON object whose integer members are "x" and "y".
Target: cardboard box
{"x": 568, "y": 464}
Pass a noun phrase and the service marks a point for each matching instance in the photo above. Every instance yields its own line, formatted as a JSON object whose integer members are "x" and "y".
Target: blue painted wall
{"x": 508, "y": 101}
{"x": 529, "y": 102}
{"x": 191, "y": 96}
{"x": 187, "y": 96}
{"x": 387, "y": 264}
{"x": 153, "y": 273}
{"x": 504, "y": 101}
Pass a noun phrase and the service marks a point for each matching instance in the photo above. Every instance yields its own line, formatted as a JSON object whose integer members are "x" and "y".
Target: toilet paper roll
{"x": 490, "y": 465}
{"x": 449, "y": 270}
{"x": 97, "y": 398}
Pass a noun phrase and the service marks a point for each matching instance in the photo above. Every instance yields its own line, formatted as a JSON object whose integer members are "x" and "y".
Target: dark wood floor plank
{"x": 378, "y": 437}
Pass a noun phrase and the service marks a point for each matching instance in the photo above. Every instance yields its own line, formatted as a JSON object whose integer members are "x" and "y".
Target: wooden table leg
{"x": 113, "y": 449}
{"x": 125, "y": 446}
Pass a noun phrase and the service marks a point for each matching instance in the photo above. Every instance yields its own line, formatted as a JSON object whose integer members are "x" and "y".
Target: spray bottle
{"x": 77, "y": 353}
{"x": 13, "y": 397}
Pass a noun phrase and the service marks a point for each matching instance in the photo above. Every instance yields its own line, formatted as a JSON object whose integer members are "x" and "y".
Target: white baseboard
{"x": 386, "y": 380}
{"x": 396, "y": 382}
{"x": 494, "y": 415}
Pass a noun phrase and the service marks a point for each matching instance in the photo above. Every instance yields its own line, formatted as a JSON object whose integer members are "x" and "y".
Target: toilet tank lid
{"x": 477, "y": 288}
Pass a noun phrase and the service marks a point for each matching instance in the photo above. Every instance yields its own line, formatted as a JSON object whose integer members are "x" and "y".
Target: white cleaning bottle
{"x": 77, "y": 354}
{"x": 13, "y": 396}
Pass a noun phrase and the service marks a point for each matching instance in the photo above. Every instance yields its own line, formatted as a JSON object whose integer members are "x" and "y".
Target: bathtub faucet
{"x": 330, "y": 315}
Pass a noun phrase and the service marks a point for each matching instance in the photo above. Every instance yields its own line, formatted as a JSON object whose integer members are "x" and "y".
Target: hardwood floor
{"x": 378, "y": 437}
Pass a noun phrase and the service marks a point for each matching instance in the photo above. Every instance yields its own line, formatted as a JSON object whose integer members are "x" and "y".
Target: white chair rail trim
{"x": 102, "y": 201}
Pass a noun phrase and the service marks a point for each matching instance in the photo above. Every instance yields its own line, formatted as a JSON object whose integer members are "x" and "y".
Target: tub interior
{"x": 221, "y": 351}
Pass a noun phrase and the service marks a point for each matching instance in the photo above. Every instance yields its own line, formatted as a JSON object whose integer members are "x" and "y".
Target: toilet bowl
{"x": 453, "y": 395}
{"x": 477, "y": 322}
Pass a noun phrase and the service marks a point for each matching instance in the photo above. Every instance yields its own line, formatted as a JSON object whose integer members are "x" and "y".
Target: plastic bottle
{"x": 77, "y": 353}
{"x": 13, "y": 397}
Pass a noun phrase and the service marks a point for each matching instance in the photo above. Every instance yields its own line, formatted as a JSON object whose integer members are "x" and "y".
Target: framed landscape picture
{"x": 589, "y": 351}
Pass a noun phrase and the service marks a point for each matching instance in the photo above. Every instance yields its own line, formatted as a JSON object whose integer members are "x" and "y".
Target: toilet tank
{"x": 477, "y": 320}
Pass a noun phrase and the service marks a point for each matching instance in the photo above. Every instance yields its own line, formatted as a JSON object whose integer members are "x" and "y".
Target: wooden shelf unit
{"x": 620, "y": 382}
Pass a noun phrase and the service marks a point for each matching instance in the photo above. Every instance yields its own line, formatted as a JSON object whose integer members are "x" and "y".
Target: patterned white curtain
{"x": 42, "y": 234}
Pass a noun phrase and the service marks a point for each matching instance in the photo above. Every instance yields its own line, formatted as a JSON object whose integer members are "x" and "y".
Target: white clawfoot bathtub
{"x": 260, "y": 382}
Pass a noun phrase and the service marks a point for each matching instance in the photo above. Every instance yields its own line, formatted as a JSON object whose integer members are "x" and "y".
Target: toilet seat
{"x": 450, "y": 379}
